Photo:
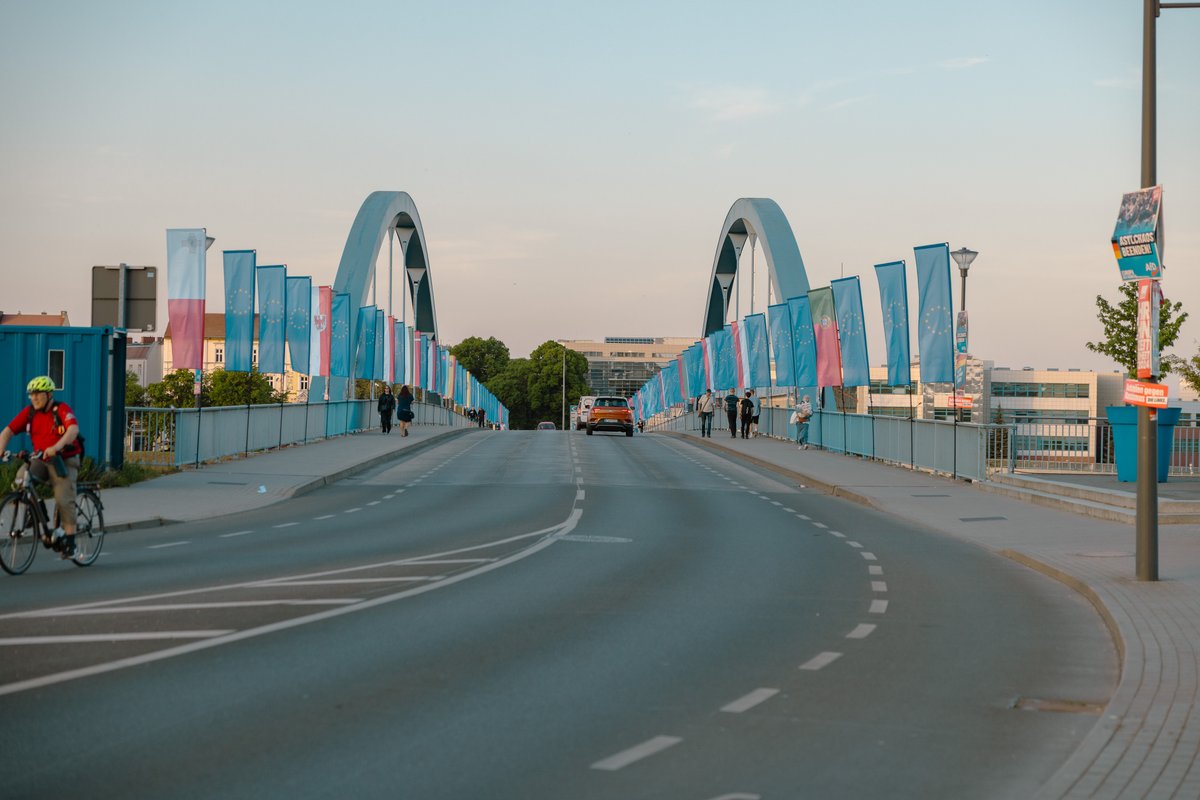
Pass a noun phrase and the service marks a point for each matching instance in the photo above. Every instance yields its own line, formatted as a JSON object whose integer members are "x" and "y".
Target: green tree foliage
{"x": 135, "y": 395}
{"x": 483, "y": 358}
{"x": 546, "y": 381}
{"x": 511, "y": 387}
{"x": 1188, "y": 370}
{"x": 1120, "y": 329}
{"x": 242, "y": 388}
{"x": 175, "y": 390}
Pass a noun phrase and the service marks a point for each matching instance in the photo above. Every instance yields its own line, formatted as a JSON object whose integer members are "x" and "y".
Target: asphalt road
{"x": 545, "y": 615}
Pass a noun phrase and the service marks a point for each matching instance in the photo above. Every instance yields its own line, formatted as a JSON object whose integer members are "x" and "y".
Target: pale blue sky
{"x": 546, "y": 144}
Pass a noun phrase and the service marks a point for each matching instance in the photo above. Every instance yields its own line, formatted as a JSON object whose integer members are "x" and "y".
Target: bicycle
{"x": 25, "y": 521}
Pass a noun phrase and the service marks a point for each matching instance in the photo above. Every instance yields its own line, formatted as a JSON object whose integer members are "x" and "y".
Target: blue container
{"x": 1123, "y": 420}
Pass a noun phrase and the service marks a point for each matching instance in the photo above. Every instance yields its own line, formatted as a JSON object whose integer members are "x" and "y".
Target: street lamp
{"x": 725, "y": 279}
{"x": 963, "y": 257}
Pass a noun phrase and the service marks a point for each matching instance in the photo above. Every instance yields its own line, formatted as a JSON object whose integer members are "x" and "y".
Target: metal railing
{"x": 967, "y": 450}
{"x": 174, "y": 437}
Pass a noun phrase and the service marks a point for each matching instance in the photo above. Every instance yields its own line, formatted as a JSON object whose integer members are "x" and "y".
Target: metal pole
{"x": 1147, "y": 480}
{"x": 564, "y": 387}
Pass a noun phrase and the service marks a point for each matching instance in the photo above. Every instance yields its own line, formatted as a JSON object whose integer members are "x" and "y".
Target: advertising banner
{"x": 1149, "y": 295}
{"x": 1138, "y": 238}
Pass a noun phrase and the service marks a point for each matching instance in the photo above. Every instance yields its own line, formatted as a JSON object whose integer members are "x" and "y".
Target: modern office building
{"x": 619, "y": 365}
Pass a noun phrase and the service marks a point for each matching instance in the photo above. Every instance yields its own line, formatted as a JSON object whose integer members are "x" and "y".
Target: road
{"x": 545, "y": 615}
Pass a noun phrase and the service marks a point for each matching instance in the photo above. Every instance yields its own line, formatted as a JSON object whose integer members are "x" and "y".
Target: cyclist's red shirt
{"x": 46, "y": 428}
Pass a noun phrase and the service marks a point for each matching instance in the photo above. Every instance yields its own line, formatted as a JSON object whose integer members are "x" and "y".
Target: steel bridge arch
{"x": 381, "y": 213}
{"x": 763, "y": 219}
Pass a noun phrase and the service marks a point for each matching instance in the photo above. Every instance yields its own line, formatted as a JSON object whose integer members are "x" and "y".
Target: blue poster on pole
{"x": 272, "y": 318}
{"x": 1138, "y": 238}
{"x": 239, "y": 310}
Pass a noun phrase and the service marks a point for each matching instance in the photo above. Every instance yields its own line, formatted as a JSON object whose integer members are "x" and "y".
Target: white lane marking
{"x": 820, "y": 525}
{"x": 861, "y": 632}
{"x": 549, "y": 536}
{"x": 878, "y": 586}
{"x": 868, "y": 556}
{"x": 168, "y": 544}
{"x": 285, "y": 524}
{"x": 338, "y": 581}
{"x": 326, "y": 516}
{"x": 838, "y": 534}
{"x": 351, "y": 510}
{"x": 875, "y": 569}
{"x": 196, "y": 606}
{"x": 448, "y": 561}
{"x": 854, "y": 544}
{"x": 579, "y": 494}
{"x": 388, "y": 496}
{"x": 739, "y": 796}
{"x": 112, "y": 637}
{"x": 789, "y": 510}
{"x": 822, "y": 660}
{"x": 235, "y": 533}
{"x": 637, "y": 753}
{"x": 373, "y": 503}
{"x": 878, "y": 607}
{"x": 776, "y": 503}
{"x": 801, "y": 516}
{"x": 756, "y": 494}
{"x": 750, "y": 701}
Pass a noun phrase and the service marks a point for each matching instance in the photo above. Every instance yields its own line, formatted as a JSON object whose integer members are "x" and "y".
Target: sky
{"x": 572, "y": 162}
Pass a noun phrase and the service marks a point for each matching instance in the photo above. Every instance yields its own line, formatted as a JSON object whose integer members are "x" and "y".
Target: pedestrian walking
{"x": 747, "y": 409}
{"x": 731, "y": 411}
{"x": 757, "y": 410}
{"x": 385, "y": 406}
{"x": 800, "y": 417}
{"x": 404, "y": 412}
{"x": 705, "y": 405}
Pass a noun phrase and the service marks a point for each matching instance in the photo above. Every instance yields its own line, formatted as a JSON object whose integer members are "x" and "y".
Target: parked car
{"x": 585, "y": 405}
{"x": 547, "y": 426}
{"x": 610, "y": 414}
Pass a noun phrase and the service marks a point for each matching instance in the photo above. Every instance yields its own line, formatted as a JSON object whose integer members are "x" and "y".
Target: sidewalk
{"x": 242, "y": 484}
{"x": 1146, "y": 743}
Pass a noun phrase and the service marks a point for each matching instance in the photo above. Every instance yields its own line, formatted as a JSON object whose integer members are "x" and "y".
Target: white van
{"x": 585, "y": 405}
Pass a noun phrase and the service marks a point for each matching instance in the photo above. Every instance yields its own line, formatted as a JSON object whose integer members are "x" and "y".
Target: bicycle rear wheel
{"x": 18, "y": 534}
{"x": 89, "y": 528}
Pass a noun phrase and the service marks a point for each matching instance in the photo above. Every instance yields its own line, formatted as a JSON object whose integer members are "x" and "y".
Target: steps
{"x": 1115, "y": 506}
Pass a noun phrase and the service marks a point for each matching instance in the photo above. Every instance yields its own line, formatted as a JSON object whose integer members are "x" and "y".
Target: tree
{"x": 1189, "y": 370}
{"x": 483, "y": 358}
{"x": 242, "y": 388}
{"x": 176, "y": 390}
{"x": 511, "y": 387}
{"x": 1120, "y": 329}
{"x": 135, "y": 395}
{"x": 546, "y": 380}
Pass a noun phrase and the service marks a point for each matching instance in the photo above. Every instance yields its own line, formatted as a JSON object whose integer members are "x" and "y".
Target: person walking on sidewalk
{"x": 757, "y": 410}
{"x": 404, "y": 413}
{"x": 705, "y": 406}
{"x": 800, "y": 418}
{"x": 731, "y": 409}
{"x": 747, "y": 405}
{"x": 385, "y": 406}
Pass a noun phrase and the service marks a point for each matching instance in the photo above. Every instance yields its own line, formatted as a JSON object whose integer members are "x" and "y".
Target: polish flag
{"x": 740, "y": 356}
{"x": 320, "y": 330}
{"x": 185, "y": 296}
{"x": 683, "y": 383}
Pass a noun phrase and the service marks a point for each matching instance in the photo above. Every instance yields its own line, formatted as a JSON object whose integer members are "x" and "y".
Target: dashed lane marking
{"x": 878, "y": 586}
{"x": 749, "y": 701}
{"x": 869, "y": 556}
{"x": 326, "y": 516}
{"x": 875, "y": 569}
{"x": 168, "y": 544}
{"x": 352, "y": 510}
{"x": 861, "y": 632}
{"x": 855, "y": 545}
{"x": 285, "y": 524}
{"x": 637, "y": 753}
{"x": 111, "y": 637}
{"x": 235, "y": 533}
{"x": 878, "y": 607}
{"x": 820, "y": 661}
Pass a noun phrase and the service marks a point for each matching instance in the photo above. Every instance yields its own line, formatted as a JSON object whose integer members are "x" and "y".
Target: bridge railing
{"x": 174, "y": 437}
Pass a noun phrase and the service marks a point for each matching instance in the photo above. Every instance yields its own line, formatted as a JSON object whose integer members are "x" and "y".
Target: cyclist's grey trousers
{"x": 64, "y": 488}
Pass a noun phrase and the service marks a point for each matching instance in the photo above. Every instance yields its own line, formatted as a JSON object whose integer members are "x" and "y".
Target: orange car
{"x": 610, "y": 414}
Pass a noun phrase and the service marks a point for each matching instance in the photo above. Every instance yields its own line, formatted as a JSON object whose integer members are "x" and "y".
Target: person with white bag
{"x": 800, "y": 418}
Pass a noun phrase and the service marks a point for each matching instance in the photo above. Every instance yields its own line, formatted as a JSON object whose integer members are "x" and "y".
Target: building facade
{"x": 293, "y": 383}
{"x": 619, "y": 365}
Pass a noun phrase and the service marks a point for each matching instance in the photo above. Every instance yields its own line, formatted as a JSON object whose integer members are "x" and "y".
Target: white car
{"x": 585, "y": 405}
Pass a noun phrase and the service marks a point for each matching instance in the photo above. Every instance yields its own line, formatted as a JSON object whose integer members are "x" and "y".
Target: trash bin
{"x": 1123, "y": 420}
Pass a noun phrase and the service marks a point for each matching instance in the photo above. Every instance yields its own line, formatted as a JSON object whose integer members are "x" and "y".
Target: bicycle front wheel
{"x": 18, "y": 534}
{"x": 89, "y": 528}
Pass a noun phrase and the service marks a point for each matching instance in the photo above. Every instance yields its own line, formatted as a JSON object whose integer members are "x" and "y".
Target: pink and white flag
{"x": 741, "y": 354}
{"x": 389, "y": 355}
{"x": 185, "y": 296}
{"x": 320, "y": 331}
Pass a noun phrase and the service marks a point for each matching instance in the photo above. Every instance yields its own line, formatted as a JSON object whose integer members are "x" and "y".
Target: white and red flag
{"x": 320, "y": 330}
{"x": 185, "y": 296}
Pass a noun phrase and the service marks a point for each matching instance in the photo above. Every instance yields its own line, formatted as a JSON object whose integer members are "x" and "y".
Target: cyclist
{"x": 53, "y": 428}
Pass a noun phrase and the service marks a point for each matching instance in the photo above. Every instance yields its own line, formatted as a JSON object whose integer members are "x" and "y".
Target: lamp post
{"x": 725, "y": 279}
{"x": 415, "y": 276}
{"x": 963, "y": 257}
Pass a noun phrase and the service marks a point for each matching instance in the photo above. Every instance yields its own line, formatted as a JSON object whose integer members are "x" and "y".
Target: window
{"x": 304, "y": 383}
{"x": 1073, "y": 390}
{"x": 219, "y": 354}
{"x": 56, "y": 368}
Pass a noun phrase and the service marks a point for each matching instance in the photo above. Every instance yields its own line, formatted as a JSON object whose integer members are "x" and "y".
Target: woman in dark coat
{"x": 404, "y": 414}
